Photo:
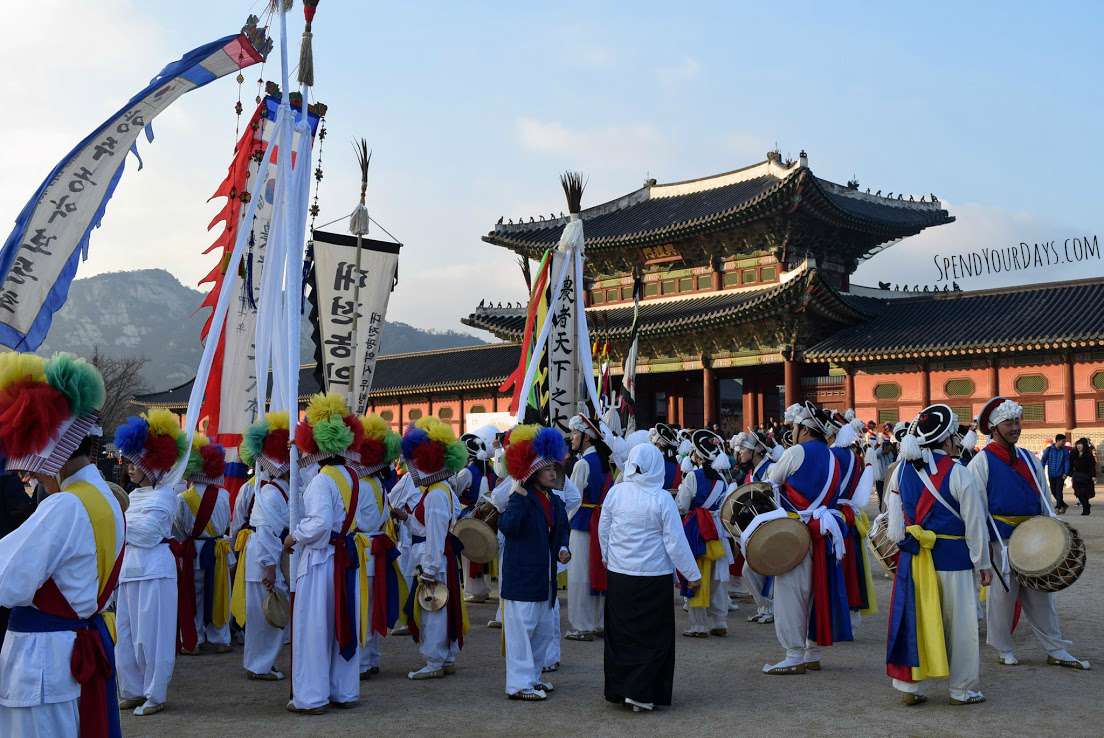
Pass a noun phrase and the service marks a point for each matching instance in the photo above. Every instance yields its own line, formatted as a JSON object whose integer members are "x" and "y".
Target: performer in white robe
{"x": 263, "y": 573}
{"x": 755, "y": 459}
{"x": 592, "y": 474}
{"x": 472, "y": 485}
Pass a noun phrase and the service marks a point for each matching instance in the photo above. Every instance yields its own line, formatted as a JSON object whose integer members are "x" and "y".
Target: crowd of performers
{"x": 107, "y": 590}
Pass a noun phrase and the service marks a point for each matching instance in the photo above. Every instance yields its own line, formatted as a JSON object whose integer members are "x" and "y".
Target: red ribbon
{"x": 381, "y": 545}
{"x": 345, "y": 627}
{"x": 851, "y": 560}
{"x": 821, "y": 599}
{"x": 455, "y": 602}
{"x": 596, "y": 567}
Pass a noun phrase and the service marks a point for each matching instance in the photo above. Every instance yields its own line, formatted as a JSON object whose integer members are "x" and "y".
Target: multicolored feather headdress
{"x": 206, "y": 462}
{"x": 329, "y": 429}
{"x": 532, "y": 448}
{"x": 152, "y": 441}
{"x": 380, "y": 445}
{"x": 46, "y": 409}
{"x": 432, "y": 452}
{"x": 265, "y": 444}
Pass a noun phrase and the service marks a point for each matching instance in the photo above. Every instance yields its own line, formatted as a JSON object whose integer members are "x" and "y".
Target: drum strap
{"x": 923, "y": 474}
{"x": 1043, "y": 496}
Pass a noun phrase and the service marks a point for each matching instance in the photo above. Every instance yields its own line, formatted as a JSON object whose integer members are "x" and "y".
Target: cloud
{"x": 920, "y": 260}
{"x": 635, "y": 146}
{"x": 684, "y": 71}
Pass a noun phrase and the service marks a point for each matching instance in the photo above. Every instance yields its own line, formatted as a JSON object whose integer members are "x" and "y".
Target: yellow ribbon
{"x": 344, "y": 488}
{"x": 714, "y": 551}
{"x": 381, "y": 505}
{"x": 220, "y": 605}
{"x": 1012, "y": 520}
{"x": 363, "y": 543}
{"x": 931, "y": 646}
{"x": 862, "y": 524}
{"x": 237, "y": 600}
{"x": 102, "y": 518}
{"x": 194, "y": 498}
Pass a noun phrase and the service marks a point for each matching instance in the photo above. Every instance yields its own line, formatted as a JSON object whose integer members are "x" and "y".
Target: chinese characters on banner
{"x": 563, "y": 381}
{"x": 347, "y": 365}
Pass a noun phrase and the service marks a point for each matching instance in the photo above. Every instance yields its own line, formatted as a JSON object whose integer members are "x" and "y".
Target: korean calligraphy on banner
{"x": 347, "y": 364}
{"x": 40, "y": 257}
{"x": 563, "y": 379}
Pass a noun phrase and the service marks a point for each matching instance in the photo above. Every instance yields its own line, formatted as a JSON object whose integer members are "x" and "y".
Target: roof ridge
{"x": 453, "y": 349}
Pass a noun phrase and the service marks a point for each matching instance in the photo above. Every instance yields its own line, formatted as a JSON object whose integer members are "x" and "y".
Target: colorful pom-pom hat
{"x": 329, "y": 429}
{"x": 431, "y": 451}
{"x": 265, "y": 444}
{"x": 379, "y": 447}
{"x": 47, "y": 408}
{"x": 533, "y": 448}
{"x": 206, "y": 462}
{"x": 153, "y": 442}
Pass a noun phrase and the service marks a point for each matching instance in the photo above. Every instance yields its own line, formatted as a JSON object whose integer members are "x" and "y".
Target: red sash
{"x": 345, "y": 631}
{"x": 185, "y": 552}
{"x": 821, "y": 595}
{"x": 597, "y": 568}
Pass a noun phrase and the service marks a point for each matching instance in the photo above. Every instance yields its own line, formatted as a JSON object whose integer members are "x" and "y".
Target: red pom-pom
{"x": 304, "y": 439}
{"x": 371, "y": 452}
{"x": 429, "y": 457}
{"x": 353, "y": 423}
{"x": 519, "y": 457}
{"x": 275, "y": 446}
{"x": 30, "y": 414}
{"x": 214, "y": 461}
{"x": 160, "y": 453}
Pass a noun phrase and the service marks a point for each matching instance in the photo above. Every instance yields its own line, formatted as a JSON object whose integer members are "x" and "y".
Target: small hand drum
{"x": 885, "y": 550}
{"x": 743, "y": 504}
{"x": 1046, "y": 554}
{"x": 478, "y": 533}
{"x": 774, "y": 547}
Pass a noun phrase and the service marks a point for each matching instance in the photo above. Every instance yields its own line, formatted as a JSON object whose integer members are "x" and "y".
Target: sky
{"x": 473, "y": 109}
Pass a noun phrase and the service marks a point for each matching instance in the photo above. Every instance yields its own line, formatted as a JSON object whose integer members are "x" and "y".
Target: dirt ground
{"x": 718, "y": 688}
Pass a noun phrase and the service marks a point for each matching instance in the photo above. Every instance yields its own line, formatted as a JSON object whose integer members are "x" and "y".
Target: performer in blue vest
{"x": 586, "y": 584}
{"x": 810, "y": 600}
{"x": 936, "y": 514}
{"x": 699, "y": 500}
{"x": 755, "y": 454}
{"x": 1015, "y": 491}
{"x": 471, "y": 484}
{"x": 666, "y": 439}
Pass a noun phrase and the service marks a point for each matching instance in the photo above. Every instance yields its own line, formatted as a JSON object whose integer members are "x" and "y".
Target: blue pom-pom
{"x": 549, "y": 444}
{"x": 414, "y": 438}
{"x": 130, "y": 437}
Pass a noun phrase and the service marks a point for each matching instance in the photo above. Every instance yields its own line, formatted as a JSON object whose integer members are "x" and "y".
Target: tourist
{"x": 642, "y": 545}
{"x": 1013, "y": 482}
{"x": 1083, "y": 473}
{"x": 1056, "y": 462}
{"x": 593, "y": 475}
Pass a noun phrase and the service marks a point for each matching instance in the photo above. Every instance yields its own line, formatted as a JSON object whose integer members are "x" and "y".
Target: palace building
{"x": 748, "y": 306}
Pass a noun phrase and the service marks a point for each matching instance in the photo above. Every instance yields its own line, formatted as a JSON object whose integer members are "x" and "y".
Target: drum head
{"x": 480, "y": 542}
{"x": 777, "y": 546}
{"x": 1038, "y": 545}
{"x": 745, "y": 502}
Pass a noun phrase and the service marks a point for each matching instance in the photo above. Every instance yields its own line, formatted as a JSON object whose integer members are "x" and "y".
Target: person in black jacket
{"x": 1083, "y": 473}
{"x": 535, "y": 528}
{"x": 15, "y": 507}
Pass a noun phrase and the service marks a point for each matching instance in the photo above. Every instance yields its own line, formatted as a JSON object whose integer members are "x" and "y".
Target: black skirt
{"x": 640, "y": 638}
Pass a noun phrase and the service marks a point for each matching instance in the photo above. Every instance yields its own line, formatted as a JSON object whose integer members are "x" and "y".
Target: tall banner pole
{"x": 358, "y": 226}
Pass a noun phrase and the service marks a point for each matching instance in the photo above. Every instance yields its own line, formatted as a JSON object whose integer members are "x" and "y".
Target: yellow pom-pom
{"x": 162, "y": 422}
{"x": 323, "y": 407}
{"x": 278, "y": 420}
{"x": 437, "y": 430}
{"x": 375, "y": 427}
{"x": 199, "y": 441}
{"x": 524, "y": 433}
{"x": 16, "y": 367}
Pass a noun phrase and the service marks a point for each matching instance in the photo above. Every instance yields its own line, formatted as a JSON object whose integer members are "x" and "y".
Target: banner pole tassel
{"x": 306, "y": 50}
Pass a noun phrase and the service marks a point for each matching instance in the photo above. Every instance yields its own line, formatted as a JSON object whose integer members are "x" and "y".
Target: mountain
{"x": 148, "y": 313}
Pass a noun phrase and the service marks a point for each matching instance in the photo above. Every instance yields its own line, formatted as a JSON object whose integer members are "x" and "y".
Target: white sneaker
{"x": 1008, "y": 659}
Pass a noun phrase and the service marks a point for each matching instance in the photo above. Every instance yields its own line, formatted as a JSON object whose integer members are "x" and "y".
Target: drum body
{"x": 773, "y": 547}
{"x": 478, "y": 532}
{"x": 1046, "y": 554}
{"x": 885, "y": 550}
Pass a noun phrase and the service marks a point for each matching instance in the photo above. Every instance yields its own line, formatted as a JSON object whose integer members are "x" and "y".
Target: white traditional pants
{"x": 433, "y": 643}
{"x": 792, "y": 605}
{"x": 208, "y": 633}
{"x": 477, "y": 587}
{"x": 584, "y": 610}
{"x": 145, "y": 650}
{"x": 552, "y": 655}
{"x": 48, "y": 720}
{"x": 319, "y": 673}
{"x": 370, "y": 651}
{"x": 1038, "y": 608}
{"x": 703, "y": 619}
{"x": 528, "y": 630}
{"x": 754, "y": 583}
{"x": 960, "y": 630}
{"x": 262, "y": 641}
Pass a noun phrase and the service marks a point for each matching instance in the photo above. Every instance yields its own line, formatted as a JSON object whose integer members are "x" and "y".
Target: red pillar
{"x": 681, "y": 410}
{"x": 792, "y": 373}
{"x": 749, "y": 401}
{"x": 849, "y": 388}
{"x": 994, "y": 377}
{"x": 672, "y": 409}
{"x": 709, "y": 396}
{"x": 1071, "y": 404}
{"x": 402, "y": 419}
{"x": 925, "y": 384}
{"x": 463, "y": 415}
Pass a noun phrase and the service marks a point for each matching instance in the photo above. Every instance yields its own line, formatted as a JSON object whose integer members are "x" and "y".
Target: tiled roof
{"x": 666, "y": 213}
{"x": 690, "y": 314}
{"x": 447, "y": 370}
{"x": 1059, "y": 315}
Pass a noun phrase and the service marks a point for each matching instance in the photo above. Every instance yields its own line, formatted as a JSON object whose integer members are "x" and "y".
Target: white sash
{"x": 719, "y": 488}
{"x": 1047, "y": 509}
{"x": 923, "y": 474}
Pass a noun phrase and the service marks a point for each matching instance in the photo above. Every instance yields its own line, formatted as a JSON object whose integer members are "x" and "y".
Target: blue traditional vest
{"x": 948, "y": 555}
{"x": 1009, "y": 493}
{"x": 471, "y": 494}
{"x": 703, "y": 489}
{"x": 670, "y": 474}
{"x": 759, "y": 473}
{"x": 848, "y": 463}
{"x": 592, "y": 493}
{"x": 809, "y": 478}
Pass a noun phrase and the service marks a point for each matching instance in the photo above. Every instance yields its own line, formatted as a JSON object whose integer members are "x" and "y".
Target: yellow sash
{"x": 1012, "y": 520}
{"x": 931, "y": 646}
{"x": 381, "y": 504}
{"x": 102, "y": 518}
{"x": 714, "y": 551}
{"x": 862, "y": 524}
{"x": 344, "y": 488}
{"x": 237, "y": 602}
{"x": 220, "y": 606}
{"x": 363, "y": 543}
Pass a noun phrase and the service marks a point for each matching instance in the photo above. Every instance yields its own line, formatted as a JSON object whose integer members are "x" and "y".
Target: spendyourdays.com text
{"x": 1017, "y": 258}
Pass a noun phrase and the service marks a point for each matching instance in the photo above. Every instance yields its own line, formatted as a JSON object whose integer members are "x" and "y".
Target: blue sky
{"x": 473, "y": 110}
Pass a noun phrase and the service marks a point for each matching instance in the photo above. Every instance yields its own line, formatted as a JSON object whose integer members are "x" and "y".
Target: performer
{"x": 755, "y": 456}
{"x": 699, "y": 499}
{"x": 1015, "y": 491}
{"x": 937, "y": 518}
{"x": 402, "y": 498}
{"x": 147, "y": 602}
{"x": 432, "y": 455}
{"x": 382, "y": 590}
{"x": 202, "y": 548}
{"x": 535, "y": 528}
{"x": 472, "y": 484}
{"x": 260, "y": 541}
{"x": 325, "y": 627}
{"x": 59, "y": 568}
{"x": 810, "y": 600}
{"x": 856, "y": 484}
{"x": 592, "y": 474}
{"x": 643, "y": 544}
{"x": 666, "y": 439}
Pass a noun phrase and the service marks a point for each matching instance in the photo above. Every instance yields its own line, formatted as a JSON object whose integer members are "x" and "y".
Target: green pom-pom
{"x": 195, "y": 464}
{"x": 252, "y": 442}
{"x": 182, "y": 446}
{"x": 456, "y": 456}
{"x": 78, "y": 380}
{"x": 332, "y": 436}
{"x": 392, "y": 443}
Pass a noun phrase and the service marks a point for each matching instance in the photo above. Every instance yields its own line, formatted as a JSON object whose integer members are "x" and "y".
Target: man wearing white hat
{"x": 1015, "y": 491}
{"x": 755, "y": 459}
{"x": 472, "y": 484}
{"x": 592, "y": 474}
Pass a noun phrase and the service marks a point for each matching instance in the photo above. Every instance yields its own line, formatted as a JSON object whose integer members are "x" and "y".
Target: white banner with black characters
{"x": 345, "y": 365}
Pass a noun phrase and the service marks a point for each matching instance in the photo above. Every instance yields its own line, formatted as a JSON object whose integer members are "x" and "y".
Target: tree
{"x": 122, "y": 381}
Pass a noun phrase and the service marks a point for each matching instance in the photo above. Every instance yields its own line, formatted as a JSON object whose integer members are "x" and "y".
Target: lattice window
{"x": 414, "y": 414}
{"x": 445, "y": 413}
{"x": 705, "y": 282}
{"x": 477, "y": 409}
{"x": 1100, "y": 409}
{"x": 1034, "y": 412}
{"x": 669, "y": 287}
{"x": 888, "y": 415}
{"x": 387, "y": 415}
{"x": 768, "y": 273}
{"x": 731, "y": 279}
{"x": 1031, "y": 384}
{"x": 959, "y": 388}
{"x": 613, "y": 295}
{"x": 749, "y": 276}
{"x": 887, "y": 391}
{"x": 964, "y": 413}
{"x": 686, "y": 284}
{"x": 598, "y": 296}
{"x": 651, "y": 289}
{"x": 1098, "y": 381}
